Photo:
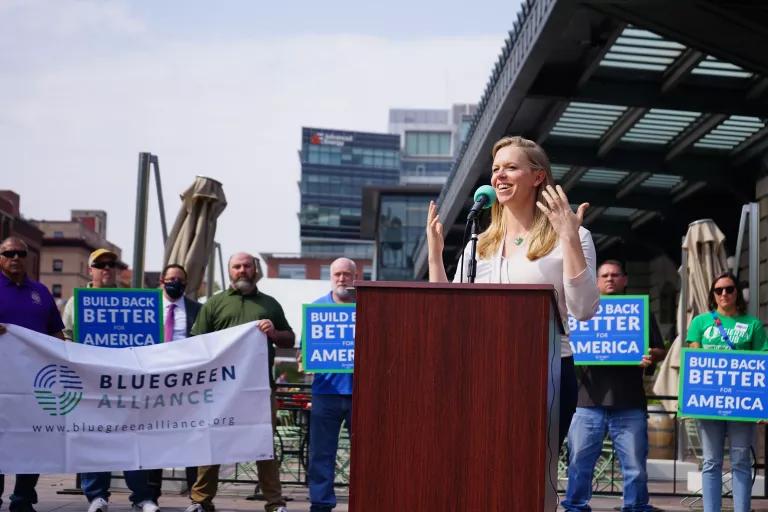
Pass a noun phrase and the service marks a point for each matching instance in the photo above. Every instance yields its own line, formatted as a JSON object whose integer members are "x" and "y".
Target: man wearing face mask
{"x": 243, "y": 302}
{"x": 179, "y": 315}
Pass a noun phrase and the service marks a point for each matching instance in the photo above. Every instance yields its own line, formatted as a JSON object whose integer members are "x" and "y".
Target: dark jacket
{"x": 193, "y": 308}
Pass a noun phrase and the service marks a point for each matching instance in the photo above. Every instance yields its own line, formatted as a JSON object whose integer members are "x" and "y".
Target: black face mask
{"x": 175, "y": 289}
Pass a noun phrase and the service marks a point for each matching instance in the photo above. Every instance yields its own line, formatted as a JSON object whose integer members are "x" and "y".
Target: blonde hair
{"x": 543, "y": 236}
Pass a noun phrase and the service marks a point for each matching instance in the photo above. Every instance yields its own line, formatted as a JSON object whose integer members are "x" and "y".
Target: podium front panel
{"x": 455, "y": 403}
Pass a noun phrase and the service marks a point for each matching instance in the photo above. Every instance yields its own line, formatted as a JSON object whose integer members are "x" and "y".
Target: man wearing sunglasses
{"x": 102, "y": 267}
{"x": 29, "y": 304}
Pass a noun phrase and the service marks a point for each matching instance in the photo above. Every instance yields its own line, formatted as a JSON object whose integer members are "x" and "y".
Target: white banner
{"x": 70, "y": 408}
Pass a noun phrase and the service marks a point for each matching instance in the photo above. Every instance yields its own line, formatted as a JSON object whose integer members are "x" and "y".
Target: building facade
{"x": 335, "y": 166}
{"x": 66, "y": 247}
{"x": 12, "y": 224}
{"x": 430, "y": 139}
{"x": 299, "y": 266}
{"x": 394, "y": 218}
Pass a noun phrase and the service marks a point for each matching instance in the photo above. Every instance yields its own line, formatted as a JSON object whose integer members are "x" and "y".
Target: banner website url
{"x": 109, "y": 428}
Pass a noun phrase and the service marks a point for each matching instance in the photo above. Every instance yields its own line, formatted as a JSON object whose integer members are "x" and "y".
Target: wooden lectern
{"x": 456, "y": 397}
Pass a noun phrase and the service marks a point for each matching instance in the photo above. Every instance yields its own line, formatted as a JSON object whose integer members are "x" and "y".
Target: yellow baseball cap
{"x": 98, "y": 253}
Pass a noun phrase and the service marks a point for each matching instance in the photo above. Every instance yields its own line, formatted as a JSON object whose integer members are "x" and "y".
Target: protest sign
{"x": 723, "y": 384}
{"x": 328, "y": 338}
{"x": 616, "y": 335}
{"x": 118, "y": 317}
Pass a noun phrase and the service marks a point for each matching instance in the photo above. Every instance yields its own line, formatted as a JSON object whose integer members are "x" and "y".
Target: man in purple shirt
{"x": 28, "y": 304}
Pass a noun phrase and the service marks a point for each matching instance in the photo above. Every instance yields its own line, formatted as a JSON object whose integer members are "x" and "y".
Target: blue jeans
{"x": 628, "y": 429}
{"x": 96, "y": 485}
{"x": 328, "y": 411}
{"x": 712, "y": 445}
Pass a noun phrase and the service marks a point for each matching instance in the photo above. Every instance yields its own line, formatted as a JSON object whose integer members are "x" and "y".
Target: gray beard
{"x": 343, "y": 293}
{"x": 244, "y": 285}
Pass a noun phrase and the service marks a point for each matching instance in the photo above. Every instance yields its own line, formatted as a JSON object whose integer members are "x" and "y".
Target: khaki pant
{"x": 268, "y": 471}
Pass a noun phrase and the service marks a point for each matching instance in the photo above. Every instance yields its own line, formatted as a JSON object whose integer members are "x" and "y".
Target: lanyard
{"x": 723, "y": 334}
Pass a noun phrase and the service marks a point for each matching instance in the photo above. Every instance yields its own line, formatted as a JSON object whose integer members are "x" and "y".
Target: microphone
{"x": 485, "y": 196}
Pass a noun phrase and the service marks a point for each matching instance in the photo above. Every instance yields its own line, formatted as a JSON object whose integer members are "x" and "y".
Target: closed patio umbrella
{"x": 190, "y": 242}
{"x": 704, "y": 245}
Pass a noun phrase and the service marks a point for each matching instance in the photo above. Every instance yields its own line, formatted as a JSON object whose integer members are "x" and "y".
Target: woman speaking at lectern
{"x": 534, "y": 238}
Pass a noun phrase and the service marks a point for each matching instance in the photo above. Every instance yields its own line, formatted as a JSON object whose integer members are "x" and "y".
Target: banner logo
{"x": 58, "y": 389}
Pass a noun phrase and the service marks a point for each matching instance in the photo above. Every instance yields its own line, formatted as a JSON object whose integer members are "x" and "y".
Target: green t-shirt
{"x": 231, "y": 308}
{"x": 746, "y": 332}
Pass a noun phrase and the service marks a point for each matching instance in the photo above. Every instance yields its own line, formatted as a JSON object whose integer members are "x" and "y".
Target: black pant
{"x": 155, "y": 478}
{"x": 23, "y": 492}
{"x": 569, "y": 397}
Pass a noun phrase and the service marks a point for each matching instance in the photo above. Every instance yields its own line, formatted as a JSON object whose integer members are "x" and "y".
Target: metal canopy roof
{"x": 652, "y": 111}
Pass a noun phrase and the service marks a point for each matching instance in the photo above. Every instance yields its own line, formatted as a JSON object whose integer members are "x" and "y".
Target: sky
{"x": 218, "y": 89}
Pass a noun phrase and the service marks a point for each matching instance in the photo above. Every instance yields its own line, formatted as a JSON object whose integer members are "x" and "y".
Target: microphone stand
{"x": 472, "y": 270}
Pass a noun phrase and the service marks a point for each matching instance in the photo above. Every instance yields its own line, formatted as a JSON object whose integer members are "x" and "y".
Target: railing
{"x": 292, "y": 450}
{"x": 607, "y": 477}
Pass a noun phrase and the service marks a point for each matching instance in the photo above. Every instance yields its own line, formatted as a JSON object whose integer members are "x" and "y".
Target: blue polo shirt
{"x": 29, "y": 305}
{"x": 331, "y": 383}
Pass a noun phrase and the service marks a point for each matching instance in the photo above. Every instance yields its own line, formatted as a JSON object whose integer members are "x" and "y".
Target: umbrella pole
{"x": 210, "y": 271}
{"x": 221, "y": 265}
{"x": 163, "y": 224}
{"x": 140, "y": 228}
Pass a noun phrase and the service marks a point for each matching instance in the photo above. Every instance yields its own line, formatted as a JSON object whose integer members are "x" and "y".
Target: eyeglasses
{"x": 13, "y": 253}
{"x": 102, "y": 265}
{"x": 727, "y": 289}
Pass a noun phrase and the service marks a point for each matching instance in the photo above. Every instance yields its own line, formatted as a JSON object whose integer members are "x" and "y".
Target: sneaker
{"x": 195, "y": 507}
{"x": 98, "y": 505}
{"x": 281, "y": 509}
{"x": 146, "y": 506}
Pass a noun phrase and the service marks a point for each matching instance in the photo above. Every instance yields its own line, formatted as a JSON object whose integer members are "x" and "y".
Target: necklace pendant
{"x": 518, "y": 241}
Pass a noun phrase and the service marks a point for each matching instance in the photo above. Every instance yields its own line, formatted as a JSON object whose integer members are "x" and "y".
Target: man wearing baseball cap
{"x": 102, "y": 267}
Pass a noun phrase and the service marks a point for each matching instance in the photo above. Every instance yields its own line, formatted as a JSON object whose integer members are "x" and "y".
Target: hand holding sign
{"x": 267, "y": 327}
{"x": 616, "y": 335}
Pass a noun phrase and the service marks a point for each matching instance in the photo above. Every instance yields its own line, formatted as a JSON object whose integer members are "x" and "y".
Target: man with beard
{"x": 29, "y": 304}
{"x": 240, "y": 304}
{"x": 102, "y": 266}
{"x": 331, "y": 403}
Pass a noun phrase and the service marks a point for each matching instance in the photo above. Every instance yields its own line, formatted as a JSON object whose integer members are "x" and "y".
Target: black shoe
{"x": 21, "y": 507}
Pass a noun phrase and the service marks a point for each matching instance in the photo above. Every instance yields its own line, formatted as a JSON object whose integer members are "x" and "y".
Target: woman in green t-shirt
{"x": 726, "y": 326}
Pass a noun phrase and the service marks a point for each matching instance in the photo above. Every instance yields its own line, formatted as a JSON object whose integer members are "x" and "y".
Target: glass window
{"x": 292, "y": 271}
{"x": 58, "y": 265}
{"x": 56, "y": 291}
{"x": 325, "y": 272}
{"x": 58, "y": 234}
{"x": 428, "y": 143}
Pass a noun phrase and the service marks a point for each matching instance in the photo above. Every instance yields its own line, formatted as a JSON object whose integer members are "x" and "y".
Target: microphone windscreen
{"x": 487, "y": 191}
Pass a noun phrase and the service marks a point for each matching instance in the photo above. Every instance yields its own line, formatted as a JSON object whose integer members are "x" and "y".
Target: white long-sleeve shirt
{"x": 578, "y": 296}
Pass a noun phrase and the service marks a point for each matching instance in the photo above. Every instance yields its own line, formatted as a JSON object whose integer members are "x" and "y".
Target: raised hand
{"x": 435, "y": 241}
{"x": 558, "y": 211}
